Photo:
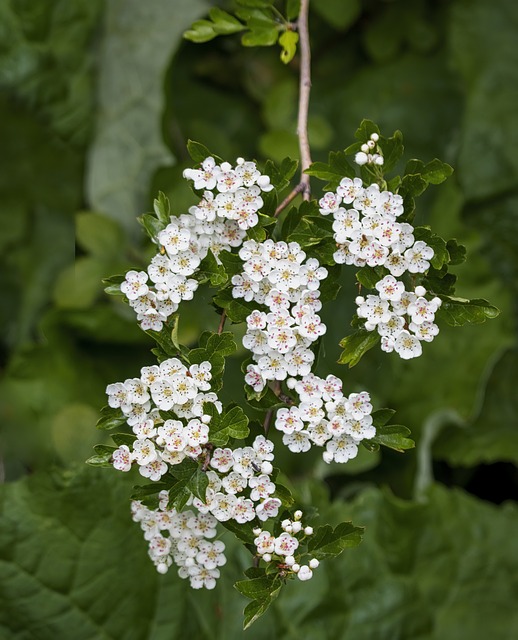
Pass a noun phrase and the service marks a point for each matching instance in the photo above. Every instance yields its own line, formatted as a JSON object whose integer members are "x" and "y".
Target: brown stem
{"x": 222, "y": 322}
{"x": 289, "y": 198}
{"x": 304, "y": 91}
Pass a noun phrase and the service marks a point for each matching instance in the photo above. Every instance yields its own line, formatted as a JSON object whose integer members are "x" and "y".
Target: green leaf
{"x": 369, "y": 276}
{"x": 337, "y": 168}
{"x": 237, "y": 309}
{"x": 152, "y": 225}
{"x": 288, "y": 41}
{"x": 232, "y": 263}
{"x": 392, "y": 149}
{"x": 459, "y": 311}
{"x": 102, "y": 457}
{"x": 256, "y": 588}
{"x": 162, "y": 208}
{"x": 394, "y": 437}
{"x": 198, "y": 151}
{"x": 110, "y": 418}
{"x": 210, "y": 271}
{"x": 380, "y": 417}
{"x": 356, "y": 345}
{"x": 280, "y": 176}
{"x": 327, "y": 542}
{"x": 224, "y": 23}
{"x": 198, "y": 484}
{"x": 437, "y": 171}
{"x": 260, "y": 36}
{"x": 232, "y": 423}
{"x": 167, "y": 338}
{"x": 201, "y": 31}
{"x": 412, "y": 185}
{"x": 456, "y": 251}
{"x": 123, "y": 438}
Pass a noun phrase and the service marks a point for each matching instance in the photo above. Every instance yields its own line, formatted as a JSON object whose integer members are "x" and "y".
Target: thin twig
{"x": 289, "y": 198}
{"x": 222, "y": 322}
{"x": 304, "y": 91}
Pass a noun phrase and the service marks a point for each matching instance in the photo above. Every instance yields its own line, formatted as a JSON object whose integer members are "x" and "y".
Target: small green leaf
{"x": 198, "y": 484}
{"x": 124, "y": 438}
{"x": 198, "y": 151}
{"x": 392, "y": 149}
{"x": 437, "y": 171}
{"x": 365, "y": 130}
{"x": 394, "y": 437}
{"x": 412, "y": 185}
{"x": 232, "y": 263}
{"x": 261, "y": 37}
{"x": 288, "y": 41}
{"x": 256, "y": 588}
{"x": 103, "y": 457}
{"x": 224, "y": 23}
{"x": 110, "y": 418}
{"x": 200, "y": 31}
{"x": 232, "y": 423}
{"x": 356, "y": 345}
{"x": 327, "y": 542}
{"x": 459, "y": 311}
{"x": 152, "y": 225}
{"x": 457, "y": 251}
{"x": 162, "y": 208}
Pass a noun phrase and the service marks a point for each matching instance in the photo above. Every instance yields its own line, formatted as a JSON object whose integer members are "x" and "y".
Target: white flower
{"x": 144, "y": 452}
{"x": 390, "y": 289}
{"x": 418, "y": 257}
{"x": 407, "y": 345}
{"x": 349, "y": 189}
{"x": 135, "y": 285}
{"x": 342, "y": 448}
{"x": 222, "y": 460}
{"x": 261, "y": 487}
{"x": 263, "y": 448}
{"x": 285, "y": 544}
{"x": 174, "y": 239}
{"x": 297, "y": 442}
{"x": 121, "y": 458}
{"x": 223, "y": 506}
{"x": 153, "y": 470}
{"x": 289, "y": 420}
{"x": 268, "y": 509}
{"x": 204, "y": 178}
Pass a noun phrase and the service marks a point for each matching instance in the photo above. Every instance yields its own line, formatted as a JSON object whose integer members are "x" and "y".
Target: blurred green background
{"x": 98, "y": 100}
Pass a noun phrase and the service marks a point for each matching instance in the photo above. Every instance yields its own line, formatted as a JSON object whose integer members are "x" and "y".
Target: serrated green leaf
{"x": 232, "y": 423}
{"x": 162, "y": 208}
{"x": 110, "y": 418}
{"x": 152, "y": 225}
{"x": 393, "y": 437}
{"x": 356, "y": 345}
{"x": 327, "y": 542}
{"x": 437, "y": 171}
{"x": 392, "y": 149}
{"x": 365, "y": 130}
{"x": 210, "y": 271}
{"x": 237, "y": 309}
{"x": 456, "y": 251}
{"x": 369, "y": 276}
{"x": 103, "y": 456}
{"x": 243, "y": 532}
{"x": 284, "y": 495}
{"x": 257, "y": 608}
{"x": 288, "y": 41}
{"x": 412, "y": 185}
{"x": 256, "y": 588}
{"x": 232, "y": 263}
{"x": 458, "y": 311}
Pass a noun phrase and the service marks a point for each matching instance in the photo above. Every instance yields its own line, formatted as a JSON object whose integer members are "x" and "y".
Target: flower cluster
{"x": 183, "y": 538}
{"x": 229, "y": 206}
{"x": 366, "y": 155}
{"x": 171, "y": 387}
{"x": 277, "y": 276}
{"x": 368, "y": 233}
{"x": 325, "y": 417}
{"x": 236, "y": 474}
{"x": 283, "y": 548}
{"x": 402, "y": 318}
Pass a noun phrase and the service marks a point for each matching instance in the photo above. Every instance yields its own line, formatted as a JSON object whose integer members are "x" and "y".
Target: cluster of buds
{"x": 282, "y": 549}
{"x": 366, "y": 155}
